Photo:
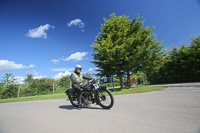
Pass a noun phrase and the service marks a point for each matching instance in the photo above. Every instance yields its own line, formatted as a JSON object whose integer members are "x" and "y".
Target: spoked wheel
{"x": 73, "y": 100}
{"x": 106, "y": 99}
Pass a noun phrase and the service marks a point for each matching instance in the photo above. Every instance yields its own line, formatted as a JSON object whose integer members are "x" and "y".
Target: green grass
{"x": 31, "y": 98}
{"x": 118, "y": 91}
{"x": 135, "y": 90}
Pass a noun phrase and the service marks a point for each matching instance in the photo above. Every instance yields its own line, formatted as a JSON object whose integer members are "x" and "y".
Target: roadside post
{"x": 113, "y": 84}
{"x": 108, "y": 80}
{"x": 53, "y": 88}
{"x": 18, "y": 94}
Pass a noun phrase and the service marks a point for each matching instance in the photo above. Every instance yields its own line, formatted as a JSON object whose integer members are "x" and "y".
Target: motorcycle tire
{"x": 73, "y": 101}
{"x": 103, "y": 97}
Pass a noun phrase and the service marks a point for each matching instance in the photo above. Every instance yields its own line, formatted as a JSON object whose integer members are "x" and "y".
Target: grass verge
{"x": 143, "y": 89}
{"x": 118, "y": 91}
{"x": 31, "y": 98}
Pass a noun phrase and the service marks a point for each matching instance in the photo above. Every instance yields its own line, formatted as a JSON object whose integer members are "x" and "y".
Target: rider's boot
{"x": 79, "y": 102}
{"x": 79, "y": 106}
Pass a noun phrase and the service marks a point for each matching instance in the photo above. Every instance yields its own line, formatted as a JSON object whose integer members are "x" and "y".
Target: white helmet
{"x": 78, "y": 66}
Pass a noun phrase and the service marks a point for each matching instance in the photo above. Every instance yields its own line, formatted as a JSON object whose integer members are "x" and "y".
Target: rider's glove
{"x": 80, "y": 84}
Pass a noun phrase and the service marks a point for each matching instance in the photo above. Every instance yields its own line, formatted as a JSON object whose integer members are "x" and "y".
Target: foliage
{"x": 8, "y": 88}
{"x": 176, "y": 65}
{"x": 40, "y": 87}
{"x": 33, "y": 87}
{"x": 1, "y": 87}
{"x": 29, "y": 78}
{"x": 89, "y": 74}
{"x": 124, "y": 47}
{"x": 64, "y": 82}
{"x": 63, "y": 95}
{"x": 141, "y": 78}
{"x": 9, "y": 92}
{"x": 180, "y": 65}
{"x": 9, "y": 79}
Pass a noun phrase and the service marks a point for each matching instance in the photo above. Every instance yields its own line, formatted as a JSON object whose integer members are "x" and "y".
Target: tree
{"x": 123, "y": 46}
{"x": 180, "y": 64}
{"x": 1, "y": 89}
{"x": 89, "y": 74}
{"x": 194, "y": 59}
{"x": 108, "y": 47}
{"x": 142, "y": 50}
{"x": 40, "y": 87}
{"x": 64, "y": 82}
{"x": 9, "y": 79}
{"x": 10, "y": 88}
{"x": 29, "y": 78}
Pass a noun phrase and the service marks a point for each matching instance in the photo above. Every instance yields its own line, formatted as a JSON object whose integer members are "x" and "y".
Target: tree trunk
{"x": 121, "y": 80}
{"x": 128, "y": 79}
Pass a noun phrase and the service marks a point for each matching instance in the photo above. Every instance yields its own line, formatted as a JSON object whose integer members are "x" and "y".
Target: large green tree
{"x": 141, "y": 49}
{"x": 124, "y": 46}
{"x": 194, "y": 59}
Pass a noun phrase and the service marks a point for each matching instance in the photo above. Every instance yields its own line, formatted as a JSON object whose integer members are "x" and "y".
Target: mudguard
{"x": 71, "y": 90}
{"x": 102, "y": 87}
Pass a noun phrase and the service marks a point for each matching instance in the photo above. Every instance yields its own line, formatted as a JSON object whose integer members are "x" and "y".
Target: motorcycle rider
{"x": 77, "y": 82}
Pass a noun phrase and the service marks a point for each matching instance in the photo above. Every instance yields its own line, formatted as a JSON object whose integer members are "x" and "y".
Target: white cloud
{"x": 60, "y": 75}
{"x": 39, "y": 77}
{"x": 91, "y": 69}
{"x": 77, "y": 22}
{"x": 62, "y": 69}
{"x": 82, "y": 30}
{"x": 32, "y": 72}
{"x": 78, "y": 56}
{"x": 55, "y": 61}
{"x": 6, "y": 65}
{"x": 40, "y": 31}
{"x": 19, "y": 79}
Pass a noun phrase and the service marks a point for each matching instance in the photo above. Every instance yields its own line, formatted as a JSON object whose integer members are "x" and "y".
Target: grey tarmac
{"x": 173, "y": 110}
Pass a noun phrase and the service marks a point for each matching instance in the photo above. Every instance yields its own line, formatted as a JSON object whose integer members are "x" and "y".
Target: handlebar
{"x": 93, "y": 81}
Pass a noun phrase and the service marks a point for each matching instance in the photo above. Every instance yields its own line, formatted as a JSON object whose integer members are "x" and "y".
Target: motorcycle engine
{"x": 87, "y": 101}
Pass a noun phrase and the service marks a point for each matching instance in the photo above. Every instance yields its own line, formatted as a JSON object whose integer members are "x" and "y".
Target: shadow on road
{"x": 70, "y": 107}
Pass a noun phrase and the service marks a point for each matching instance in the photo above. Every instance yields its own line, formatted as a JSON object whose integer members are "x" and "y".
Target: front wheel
{"x": 105, "y": 98}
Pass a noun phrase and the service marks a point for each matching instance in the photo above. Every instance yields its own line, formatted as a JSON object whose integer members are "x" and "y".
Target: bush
{"x": 11, "y": 91}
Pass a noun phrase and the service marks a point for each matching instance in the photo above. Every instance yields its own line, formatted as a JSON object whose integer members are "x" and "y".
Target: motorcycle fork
{"x": 96, "y": 97}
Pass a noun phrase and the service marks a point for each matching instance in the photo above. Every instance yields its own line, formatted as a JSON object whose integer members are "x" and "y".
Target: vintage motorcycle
{"x": 92, "y": 93}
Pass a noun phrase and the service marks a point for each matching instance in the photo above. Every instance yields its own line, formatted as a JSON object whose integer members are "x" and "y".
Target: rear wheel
{"x": 106, "y": 99}
{"x": 73, "y": 100}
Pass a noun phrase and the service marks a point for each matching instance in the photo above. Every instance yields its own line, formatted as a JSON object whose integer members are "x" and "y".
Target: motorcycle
{"x": 92, "y": 93}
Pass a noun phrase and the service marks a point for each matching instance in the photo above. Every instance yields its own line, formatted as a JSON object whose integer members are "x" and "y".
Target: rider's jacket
{"x": 77, "y": 78}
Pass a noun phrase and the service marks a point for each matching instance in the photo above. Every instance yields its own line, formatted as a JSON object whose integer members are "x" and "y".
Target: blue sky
{"x": 47, "y": 38}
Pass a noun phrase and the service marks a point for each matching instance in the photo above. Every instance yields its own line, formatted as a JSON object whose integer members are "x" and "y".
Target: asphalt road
{"x": 173, "y": 110}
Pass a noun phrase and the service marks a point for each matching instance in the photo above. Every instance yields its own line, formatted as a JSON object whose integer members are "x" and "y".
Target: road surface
{"x": 173, "y": 110}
